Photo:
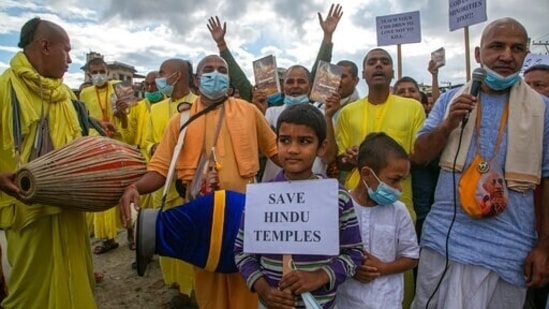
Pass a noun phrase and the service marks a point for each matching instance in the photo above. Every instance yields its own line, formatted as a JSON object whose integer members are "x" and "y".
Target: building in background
{"x": 119, "y": 71}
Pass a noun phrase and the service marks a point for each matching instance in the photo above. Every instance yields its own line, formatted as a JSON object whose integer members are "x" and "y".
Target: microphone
{"x": 479, "y": 74}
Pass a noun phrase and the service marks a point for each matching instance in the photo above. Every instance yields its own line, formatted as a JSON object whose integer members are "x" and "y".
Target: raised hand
{"x": 433, "y": 67}
{"x": 329, "y": 24}
{"x": 217, "y": 32}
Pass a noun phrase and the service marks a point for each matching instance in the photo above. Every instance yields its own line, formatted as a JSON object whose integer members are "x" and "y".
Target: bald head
{"x": 47, "y": 46}
{"x": 152, "y": 75}
{"x": 208, "y": 60}
{"x": 37, "y": 29}
{"x": 149, "y": 83}
{"x": 506, "y": 23}
{"x": 503, "y": 47}
{"x": 176, "y": 72}
{"x": 175, "y": 65}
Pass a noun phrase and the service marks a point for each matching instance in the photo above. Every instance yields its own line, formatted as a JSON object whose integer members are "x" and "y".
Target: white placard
{"x": 464, "y": 13}
{"x": 296, "y": 217}
{"x": 396, "y": 29}
{"x": 533, "y": 59}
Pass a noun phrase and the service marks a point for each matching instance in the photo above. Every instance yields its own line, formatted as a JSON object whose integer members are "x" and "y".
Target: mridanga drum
{"x": 201, "y": 232}
{"x": 88, "y": 174}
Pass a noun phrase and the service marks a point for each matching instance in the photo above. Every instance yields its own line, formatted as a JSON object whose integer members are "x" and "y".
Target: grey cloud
{"x": 365, "y": 17}
{"x": 233, "y": 10}
{"x": 179, "y": 15}
{"x": 434, "y": 18}
{"x": 297, "y": 12}
{"x": 148, "y": 60}
{"x": 172, "y": 12}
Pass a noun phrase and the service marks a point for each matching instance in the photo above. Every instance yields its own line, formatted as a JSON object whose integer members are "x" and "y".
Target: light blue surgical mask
{"x": 163, "y": 86}
{"x": 214, "y": 85}
{"x": 153, "y": 97}
{"x": 300, "y": 99}
{"x": 275, "y": 99}
{"x": 497, "y": 82}
{"x": 384, "y": 194}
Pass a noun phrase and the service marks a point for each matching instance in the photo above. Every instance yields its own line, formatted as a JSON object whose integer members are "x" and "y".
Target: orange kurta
{"x": 216, "y": 290}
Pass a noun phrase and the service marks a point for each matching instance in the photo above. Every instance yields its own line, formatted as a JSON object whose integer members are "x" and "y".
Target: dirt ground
{"x": 122, "y": 287}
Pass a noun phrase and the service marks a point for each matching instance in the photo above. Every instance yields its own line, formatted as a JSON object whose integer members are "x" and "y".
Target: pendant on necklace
{"x": 483, "y": 167}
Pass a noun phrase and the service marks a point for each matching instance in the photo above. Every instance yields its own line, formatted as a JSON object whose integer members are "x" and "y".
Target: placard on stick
{"x": 463, "y": 13}
{"x": 534, "y": 59}
{"x": 397, "y": 29}
{"x": 295, "y": 217}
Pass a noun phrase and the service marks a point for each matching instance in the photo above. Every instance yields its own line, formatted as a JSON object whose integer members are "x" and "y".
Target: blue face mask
{"x": 275, "y": 99}
{"x": 384, "y": 194}
{"x": 300, "y": 99}
{"x": 497, "y": 82}
{"x": 163, "y": 87}
{"x": 214, "y": 85}
{"x": 153, "y": 97}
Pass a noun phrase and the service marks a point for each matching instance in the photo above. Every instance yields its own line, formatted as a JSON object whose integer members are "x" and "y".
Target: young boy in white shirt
{"x": 388, "y": 235}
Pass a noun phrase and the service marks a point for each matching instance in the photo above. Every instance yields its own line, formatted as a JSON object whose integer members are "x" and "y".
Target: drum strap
{"x": 83, "y": 118}
{"x": 200, "y": 184}
{"x": 17, "y": 135}
{"x": 86, "y": 122}
{"x": 184, "y": 123}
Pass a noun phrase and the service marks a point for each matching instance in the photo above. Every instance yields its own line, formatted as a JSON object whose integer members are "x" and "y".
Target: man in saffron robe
{"x": 47, "y": 247}
{"x": 243, "y": 132}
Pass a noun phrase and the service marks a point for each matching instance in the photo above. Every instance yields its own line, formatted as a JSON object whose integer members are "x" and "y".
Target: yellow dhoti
{"x": 105, "y": 224}
{"x": 63, "y": 275}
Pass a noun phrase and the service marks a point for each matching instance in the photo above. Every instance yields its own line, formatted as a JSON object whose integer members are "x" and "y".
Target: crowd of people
{"x": 441, "y": 197}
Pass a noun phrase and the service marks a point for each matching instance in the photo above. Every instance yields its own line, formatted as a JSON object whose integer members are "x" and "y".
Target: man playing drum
{"x": 48, "y": 247}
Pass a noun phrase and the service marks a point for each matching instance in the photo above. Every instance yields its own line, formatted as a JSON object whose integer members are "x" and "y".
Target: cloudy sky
{"x": 143, "y": 33}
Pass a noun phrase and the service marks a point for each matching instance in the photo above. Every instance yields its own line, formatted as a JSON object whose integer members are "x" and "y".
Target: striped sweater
{"x": 339, "y": 268}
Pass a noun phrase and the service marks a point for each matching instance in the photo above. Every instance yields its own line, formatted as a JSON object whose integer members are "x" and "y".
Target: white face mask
{"x": 99, "y": 79}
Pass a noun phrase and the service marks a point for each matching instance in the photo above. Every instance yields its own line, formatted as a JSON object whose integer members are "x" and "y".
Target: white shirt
{"x": 387, "y": 233}
{"x": 271, "y": 169}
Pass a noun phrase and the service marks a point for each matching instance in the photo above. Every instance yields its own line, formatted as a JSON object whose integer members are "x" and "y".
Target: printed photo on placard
{"x": 266, "y": 75}
{"x": 327, "y": 79}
